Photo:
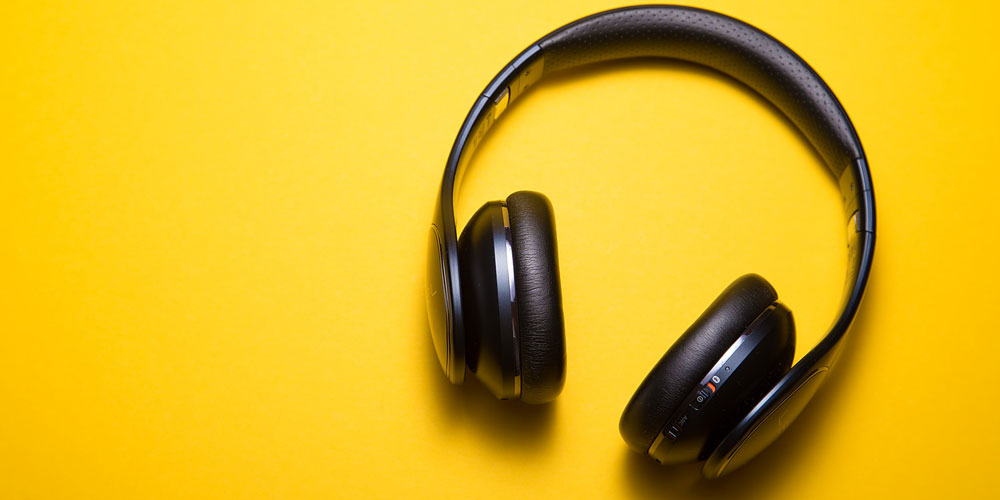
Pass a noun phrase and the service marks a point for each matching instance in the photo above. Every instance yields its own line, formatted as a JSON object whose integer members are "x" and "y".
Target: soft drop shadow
{"x": 507, "y": 426}
{"x": 648, "y": 479}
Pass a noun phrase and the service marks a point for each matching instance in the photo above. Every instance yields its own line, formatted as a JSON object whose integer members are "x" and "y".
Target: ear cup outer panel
{"x": 538, "y": 297}
{"x": 486, "y": 301}
{"x": 691, "y": 357}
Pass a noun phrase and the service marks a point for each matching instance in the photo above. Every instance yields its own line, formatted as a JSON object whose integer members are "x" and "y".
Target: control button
{"x": 700, "y": 398}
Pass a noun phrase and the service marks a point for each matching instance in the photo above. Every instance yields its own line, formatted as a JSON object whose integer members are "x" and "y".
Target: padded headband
{"x": 716, "y": 41}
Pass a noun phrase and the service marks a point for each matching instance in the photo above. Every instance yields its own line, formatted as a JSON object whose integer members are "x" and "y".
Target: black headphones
{"x": 726, "y": 389}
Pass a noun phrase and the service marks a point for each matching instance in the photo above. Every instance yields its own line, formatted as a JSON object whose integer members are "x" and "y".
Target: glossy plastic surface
{"x": 487, "y": 275}
{"x": 768, "y": 428}
{"x": 436, "y": 295}
{"x": 444, "y": 313}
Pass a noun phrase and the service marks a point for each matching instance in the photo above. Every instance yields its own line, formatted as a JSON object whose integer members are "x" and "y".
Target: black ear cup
{"x": 682, "y": 368}
{"x": 538, "y": 297}
{"x": 511, "y": 301}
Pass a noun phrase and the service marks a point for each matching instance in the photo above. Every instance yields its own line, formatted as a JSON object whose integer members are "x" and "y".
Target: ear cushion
{"x": 537, "y": 295}
{"x": 691, "y": 357}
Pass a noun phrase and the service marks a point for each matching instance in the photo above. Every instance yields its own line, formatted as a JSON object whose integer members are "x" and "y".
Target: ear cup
{"x": 538, "y": 296}
{"x": 691, "y": 358}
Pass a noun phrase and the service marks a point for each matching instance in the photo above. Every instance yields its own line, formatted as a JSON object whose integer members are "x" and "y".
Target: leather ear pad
{"x": 537, "y": 295}
{"x": 691, "y": 357}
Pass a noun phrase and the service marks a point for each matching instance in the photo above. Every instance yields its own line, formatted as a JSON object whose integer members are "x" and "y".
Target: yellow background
{"x": 213, "y": 225}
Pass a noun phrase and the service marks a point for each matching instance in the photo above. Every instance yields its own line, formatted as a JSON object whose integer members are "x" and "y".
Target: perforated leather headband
{"x": 724, "y": 44}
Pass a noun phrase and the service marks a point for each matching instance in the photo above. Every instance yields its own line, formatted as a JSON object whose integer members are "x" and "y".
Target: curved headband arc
{"x": 733, "y": 48}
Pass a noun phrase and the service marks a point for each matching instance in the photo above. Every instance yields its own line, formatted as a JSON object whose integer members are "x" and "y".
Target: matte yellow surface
{"x": 213, "y": 233}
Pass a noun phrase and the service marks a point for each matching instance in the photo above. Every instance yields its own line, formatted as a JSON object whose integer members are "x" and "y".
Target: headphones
{"x": 727, "y": 388}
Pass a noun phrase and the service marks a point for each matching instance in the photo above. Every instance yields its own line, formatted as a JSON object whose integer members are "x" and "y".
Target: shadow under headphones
{"x": 726, "y": 389}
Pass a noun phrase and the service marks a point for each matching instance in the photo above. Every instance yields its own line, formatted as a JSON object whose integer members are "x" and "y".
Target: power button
{"x": 699, "y": 399}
